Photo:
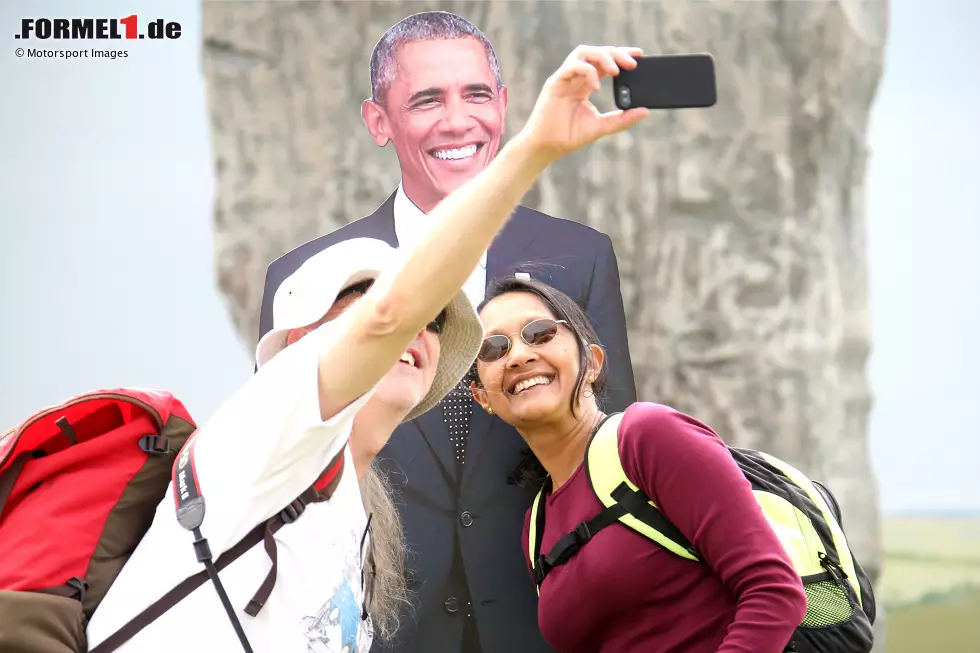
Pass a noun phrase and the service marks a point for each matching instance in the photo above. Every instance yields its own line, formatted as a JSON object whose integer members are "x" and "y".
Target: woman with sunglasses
{"x": 337, "y": 348}
{"x": 540, "y": 369}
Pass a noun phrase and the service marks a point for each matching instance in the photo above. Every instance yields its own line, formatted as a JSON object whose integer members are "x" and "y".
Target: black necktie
{"x": 457, "y": 408}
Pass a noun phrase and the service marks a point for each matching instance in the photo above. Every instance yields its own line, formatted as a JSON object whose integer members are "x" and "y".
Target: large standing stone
{"x": 740, "y": 230}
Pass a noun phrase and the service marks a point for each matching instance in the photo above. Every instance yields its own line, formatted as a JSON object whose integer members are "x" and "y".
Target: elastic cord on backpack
{"x": 203, "y": 552}
{"x": 190, "y": 515}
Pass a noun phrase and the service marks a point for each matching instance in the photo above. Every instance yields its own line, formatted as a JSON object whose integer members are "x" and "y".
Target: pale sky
{"x": 106, "y": 245}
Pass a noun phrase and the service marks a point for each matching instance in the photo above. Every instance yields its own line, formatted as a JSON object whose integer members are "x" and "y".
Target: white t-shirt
{"x": 259, "y": 451}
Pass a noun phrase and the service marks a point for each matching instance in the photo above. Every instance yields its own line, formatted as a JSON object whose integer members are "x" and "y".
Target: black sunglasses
{"x": 436, "y": 326}
{"x": 534, "y": 333}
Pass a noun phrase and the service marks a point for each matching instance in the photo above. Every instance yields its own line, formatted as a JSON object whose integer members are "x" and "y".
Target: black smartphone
{"x": 672, "y": 81}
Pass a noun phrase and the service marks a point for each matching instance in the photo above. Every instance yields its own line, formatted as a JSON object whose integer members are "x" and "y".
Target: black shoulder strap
{"x": 570, "y": 543}
{"x": 176, "y": 595}
{"x": 628, "y": 501}
{"x": 262, "y": 532}
{"x": 190, "y": 515}
{"x": 567, "y": 545}
{"x": 637, "y": 504}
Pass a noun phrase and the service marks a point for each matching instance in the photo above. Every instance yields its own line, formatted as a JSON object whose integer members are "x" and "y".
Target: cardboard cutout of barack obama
{"x": 438, "y": 98}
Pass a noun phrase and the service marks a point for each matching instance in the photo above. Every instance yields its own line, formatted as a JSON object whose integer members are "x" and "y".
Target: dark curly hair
{"x": 529, "y": 472}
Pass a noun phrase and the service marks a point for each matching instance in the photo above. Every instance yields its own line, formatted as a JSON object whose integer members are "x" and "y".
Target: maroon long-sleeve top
{"x": 623, "y": 593}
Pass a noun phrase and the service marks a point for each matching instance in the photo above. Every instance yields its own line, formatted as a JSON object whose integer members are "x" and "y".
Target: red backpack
{"x": 79, "y": 487}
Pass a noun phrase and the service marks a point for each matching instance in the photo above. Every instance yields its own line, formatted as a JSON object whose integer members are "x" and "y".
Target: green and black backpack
{"x": 804, "y": 514}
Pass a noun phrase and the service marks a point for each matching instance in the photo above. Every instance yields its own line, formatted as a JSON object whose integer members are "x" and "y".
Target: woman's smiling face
{"x": 531, "y": 383}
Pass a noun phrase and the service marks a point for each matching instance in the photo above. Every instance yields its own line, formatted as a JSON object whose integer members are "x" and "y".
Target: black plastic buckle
{"x": 155, "y": 445}
{"x": 291, "y": 513}
{"x": 201, "y": 547}
{"x": 540, "y": 569}
{"x": 80, "y": 587}
{"x": 582, "y": 533}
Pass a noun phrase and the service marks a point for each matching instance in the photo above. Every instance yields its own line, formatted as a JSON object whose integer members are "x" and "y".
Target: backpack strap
{"x": 190, "y": 515}
{"x": 569, "y": 544}
{"x": 176, "y": 595}
{"x": 9, "y": 476}
{"x": 610, "y": 483}
{"x": 261, "y": 533}
{"x": 322, "y": 490}
{"x": 624, "y": 502}
{"x": 287, "y": 516}
{"x": 535, "y": 533}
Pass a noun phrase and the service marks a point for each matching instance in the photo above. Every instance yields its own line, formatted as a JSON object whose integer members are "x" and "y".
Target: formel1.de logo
{"x": 130, "y": 27}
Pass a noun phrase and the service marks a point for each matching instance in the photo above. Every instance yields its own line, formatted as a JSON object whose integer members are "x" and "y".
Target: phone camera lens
{"x": 625, "y": 98}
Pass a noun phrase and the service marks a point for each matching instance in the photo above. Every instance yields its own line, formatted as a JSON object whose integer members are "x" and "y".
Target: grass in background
{"x": 931, "y": 583}
{"x": 950, "y": 624}
{"x": 928, "y": 556}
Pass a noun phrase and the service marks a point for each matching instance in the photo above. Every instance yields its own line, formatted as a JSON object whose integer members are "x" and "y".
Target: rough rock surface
{"x": 739, "y": 229}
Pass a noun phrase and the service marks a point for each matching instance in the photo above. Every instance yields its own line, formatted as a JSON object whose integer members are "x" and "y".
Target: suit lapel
{"x": 480, "y": 423}
{"x": 433, "y": 429}
{"x": 505, "y": 252}
{"x": 507, "y": 248}
{"x": 382, "y": 222}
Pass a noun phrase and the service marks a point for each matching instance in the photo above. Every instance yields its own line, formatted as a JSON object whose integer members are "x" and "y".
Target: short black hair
{"x": 424, "y": 26}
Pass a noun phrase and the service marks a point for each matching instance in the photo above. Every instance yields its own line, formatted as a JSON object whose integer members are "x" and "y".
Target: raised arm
{"x": 388, "y": 318}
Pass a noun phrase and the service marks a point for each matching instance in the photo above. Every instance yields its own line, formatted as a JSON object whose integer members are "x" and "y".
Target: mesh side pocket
{"x": 827, "y": 604}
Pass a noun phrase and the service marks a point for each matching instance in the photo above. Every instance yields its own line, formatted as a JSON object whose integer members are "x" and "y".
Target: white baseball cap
{"x": 306, "y": 296}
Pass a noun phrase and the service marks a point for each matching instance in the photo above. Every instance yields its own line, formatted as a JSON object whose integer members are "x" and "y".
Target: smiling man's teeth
{"x": 530, "y": 383}
{"x": 456, "y": 153}
{"x": 407, "y": 357}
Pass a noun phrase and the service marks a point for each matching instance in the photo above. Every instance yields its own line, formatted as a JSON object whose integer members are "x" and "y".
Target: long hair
{"x": 390, "y": 591}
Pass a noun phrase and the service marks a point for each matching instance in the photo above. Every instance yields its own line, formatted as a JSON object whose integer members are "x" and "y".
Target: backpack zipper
{"x": 832, "y": 568}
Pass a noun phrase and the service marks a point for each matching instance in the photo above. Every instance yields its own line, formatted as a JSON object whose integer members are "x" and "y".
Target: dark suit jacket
{"x": 482, "y": 509}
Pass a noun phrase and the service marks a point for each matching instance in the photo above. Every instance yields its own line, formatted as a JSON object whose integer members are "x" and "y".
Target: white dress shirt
{"x": 411, "y": 226}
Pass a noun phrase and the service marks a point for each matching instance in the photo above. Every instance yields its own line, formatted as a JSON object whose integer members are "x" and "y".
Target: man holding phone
{"x": 437, "y": 96}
